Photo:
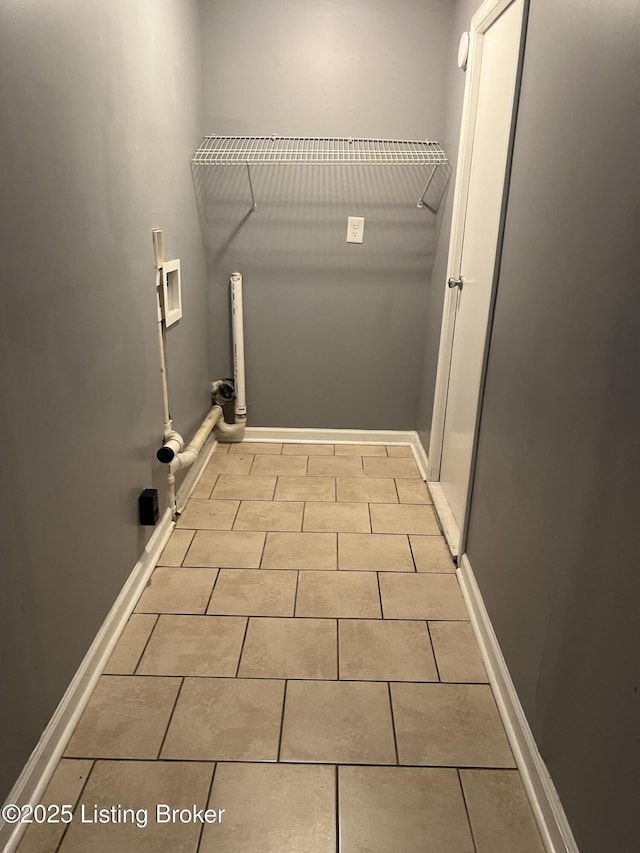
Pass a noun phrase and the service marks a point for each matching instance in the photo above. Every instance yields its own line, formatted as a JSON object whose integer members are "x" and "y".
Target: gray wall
{"x": 455, "y": 79}
{"x": 101, "y": 108}
{"x": 554, "y": 537}
{"x": 335, "y": 332}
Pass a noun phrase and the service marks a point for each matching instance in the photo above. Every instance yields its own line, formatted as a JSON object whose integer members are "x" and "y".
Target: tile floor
{"x": 302, "y": 659}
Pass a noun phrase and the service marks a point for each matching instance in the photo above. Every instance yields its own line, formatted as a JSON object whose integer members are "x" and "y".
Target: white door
{"x": 489, "y": 104}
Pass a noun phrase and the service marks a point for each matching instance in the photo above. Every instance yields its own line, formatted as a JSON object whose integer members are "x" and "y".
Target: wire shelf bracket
{"x": 315, "y": 150}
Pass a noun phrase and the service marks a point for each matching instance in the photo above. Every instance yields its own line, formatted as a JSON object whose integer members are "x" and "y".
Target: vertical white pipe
{"x": 163, "y": 372}
{"x": 238, "y": 345}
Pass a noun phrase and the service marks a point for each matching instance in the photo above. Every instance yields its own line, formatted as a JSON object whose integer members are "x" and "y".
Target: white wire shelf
{"x": 320, "y": 150}
{"x": 251, "y": 151}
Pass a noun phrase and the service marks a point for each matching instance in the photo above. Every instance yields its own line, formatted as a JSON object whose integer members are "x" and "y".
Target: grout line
{"x": 338, "y": 648}
{"x": 246, "y": 630}
{"x": 354, "y": 679}
{"x": 235, "y": 515}
{"x": 275, "y": 488}
{"x": 264, "y": 547}
{"x": 144, "y": 648}
{"x": 284, "y": 702}
{"x": 370, "y": 519}
{"x": 502, "y": 769}
{"x": 304, "y": 512}
{"x": 206, "y": 805}
{"x": 75, "y": 805}
{"x": 380, "y": 596}
{"x": 206, "y": 610}
{"x": 295, "y": 597}
{"x": 393, "y": 724}
{"x": 337, "y": 810}
{"x": 173, "y": 710}
{"x": 433, "y": 650}
{"x": 395, "y": 486}
{"x": 466, "y": 810}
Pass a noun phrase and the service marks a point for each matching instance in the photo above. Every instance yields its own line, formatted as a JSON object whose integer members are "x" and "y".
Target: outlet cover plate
{"x": 355, "y": 229}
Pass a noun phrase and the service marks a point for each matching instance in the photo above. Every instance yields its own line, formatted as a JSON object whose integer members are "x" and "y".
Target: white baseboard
{"x": 38, "y": 770}
{"x": 330, "y": 436}
{"x": 547, "y": 808}
{"x": 446, "y": 518}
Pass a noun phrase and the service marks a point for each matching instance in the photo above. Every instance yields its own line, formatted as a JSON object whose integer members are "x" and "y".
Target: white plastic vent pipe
{"x": 237, "y": 326}
{"x": 189, "y": 456}
{"x": 235, "y": 431}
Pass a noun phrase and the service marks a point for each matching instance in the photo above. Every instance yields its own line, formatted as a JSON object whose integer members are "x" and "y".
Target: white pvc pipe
{"x": 189, "y": 456}
{"x": 237, "y": 324}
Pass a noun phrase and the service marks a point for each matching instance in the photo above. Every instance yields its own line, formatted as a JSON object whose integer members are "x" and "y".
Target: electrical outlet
{"x": 355, "y": 229}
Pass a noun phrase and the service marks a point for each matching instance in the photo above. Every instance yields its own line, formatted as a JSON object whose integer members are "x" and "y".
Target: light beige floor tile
{"x": 64, "y": 788}
{"x": 403, "y": 518}
{"x": 126, "y": 717}
{"x": 205, "y": 484}
{"x": 244, "y": 487}
{"x": 408, "y": 809}
{"x": 208, "y": 515}
{"x": 177, "y": 591}
{"x": 254, "y": 592}
{"x": 306, "y": 489}
{"x": 335, "y": 517}
{"x": 140, "y": 785}
{"x": 194, "y": 645}
{"x": 233, "y": 549}
{"x": 292, "y": 465}
{"x": 222, "y": 447}
{"x": 176, "y": 548}
{"x": 269, "y": 515}
{"x": 399, "y": 450}
{"x": 366, "y": 489}
{"x": 261, "y": 448}
{"x": 230, "y": 463}
{"x": 360, "y": 450}
{"x": 421, "y": 596}
{"x": 290, "y": 648}
{"x": 500, "y": 813}
{"x": 335, "y": 466}
{"x": 379, "y": 650}
{"x": 457, "y": 652}
{"x": 453, "y": 725}
{"x": 307, "y": 450}
{"x": 273, "y": 807}
{"x": 338, "y": 595}
{"x": 226, "y": 719}
{"x": 384, "y": 552}
{"x": 337, "y": 722}
{"x": 413, "y": 492}
{"x": 124, "y": 658}
{"x": 301, "y": 551}
{"x": 431, "y": 554}
{"x": 390, "y": 468}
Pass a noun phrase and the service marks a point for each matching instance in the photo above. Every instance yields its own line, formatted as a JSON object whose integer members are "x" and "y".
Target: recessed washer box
{"x": 171, "y": 292}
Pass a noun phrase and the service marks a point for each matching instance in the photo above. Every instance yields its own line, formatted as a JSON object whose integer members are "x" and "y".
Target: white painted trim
{"x": 545, "y": 802}
{"x": 330, "y": 436}
{"x": 420, "y": 456}
{"x": 449, "y": 526}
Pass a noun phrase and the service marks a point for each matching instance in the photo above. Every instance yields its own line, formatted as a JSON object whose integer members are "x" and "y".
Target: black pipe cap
{"x": 166, "y": 455}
